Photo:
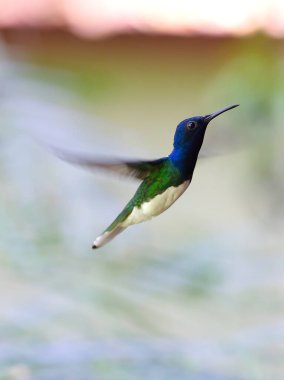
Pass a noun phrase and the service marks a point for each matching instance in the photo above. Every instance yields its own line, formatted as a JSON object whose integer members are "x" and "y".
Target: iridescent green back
{"x": 160, "y": 178}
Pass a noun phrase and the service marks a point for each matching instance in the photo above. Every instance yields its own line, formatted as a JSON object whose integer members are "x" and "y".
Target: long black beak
{"x": 208, "y": 118}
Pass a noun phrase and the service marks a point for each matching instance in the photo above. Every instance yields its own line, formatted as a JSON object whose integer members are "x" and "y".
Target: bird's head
{"x": 191, "y": 131}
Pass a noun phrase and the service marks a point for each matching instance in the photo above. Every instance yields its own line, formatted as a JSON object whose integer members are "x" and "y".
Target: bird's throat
{"x": 184, "y": 160}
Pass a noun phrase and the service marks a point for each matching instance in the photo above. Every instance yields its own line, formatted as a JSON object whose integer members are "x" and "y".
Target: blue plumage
{"x": 163, "y": 180}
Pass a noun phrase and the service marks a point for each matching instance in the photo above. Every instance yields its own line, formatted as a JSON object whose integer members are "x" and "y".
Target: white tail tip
{"x": 106, "y": 237}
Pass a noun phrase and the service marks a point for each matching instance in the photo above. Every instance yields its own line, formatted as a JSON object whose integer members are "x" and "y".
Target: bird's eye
{"x": 191, "y": 125}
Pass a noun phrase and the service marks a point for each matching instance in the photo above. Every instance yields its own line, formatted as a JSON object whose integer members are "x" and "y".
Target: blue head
{"x": 189, "y": 138}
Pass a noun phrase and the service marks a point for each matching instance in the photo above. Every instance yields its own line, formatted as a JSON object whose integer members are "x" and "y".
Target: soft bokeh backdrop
{"x": 197, "y": 293}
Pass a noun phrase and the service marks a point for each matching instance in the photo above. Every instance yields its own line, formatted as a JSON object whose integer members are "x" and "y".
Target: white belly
{"x": 156, "y": 206}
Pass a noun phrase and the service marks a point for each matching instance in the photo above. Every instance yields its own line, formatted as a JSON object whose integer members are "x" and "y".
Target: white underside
{"x": 145, "y": 212}
{"x": 156, "y": 205}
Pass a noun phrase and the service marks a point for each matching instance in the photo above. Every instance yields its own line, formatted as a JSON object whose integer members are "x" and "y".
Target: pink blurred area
{"x": 93, "y": 18}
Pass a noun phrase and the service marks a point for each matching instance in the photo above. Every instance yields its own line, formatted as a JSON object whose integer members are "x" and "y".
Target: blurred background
{"x": 196, "y": 293}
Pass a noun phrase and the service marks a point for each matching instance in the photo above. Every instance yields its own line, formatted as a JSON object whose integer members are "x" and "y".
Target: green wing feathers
{"x": 137, "y": 168}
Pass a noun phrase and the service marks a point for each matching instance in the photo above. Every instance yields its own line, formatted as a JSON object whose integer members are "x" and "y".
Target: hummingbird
{"x": 163, "y": 180}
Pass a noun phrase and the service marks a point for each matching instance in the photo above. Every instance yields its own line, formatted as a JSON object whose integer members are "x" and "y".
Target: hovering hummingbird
{"x": 163, "y": 180}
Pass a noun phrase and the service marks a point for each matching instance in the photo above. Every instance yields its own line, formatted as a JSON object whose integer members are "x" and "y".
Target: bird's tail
{"x": 106, "y": 236}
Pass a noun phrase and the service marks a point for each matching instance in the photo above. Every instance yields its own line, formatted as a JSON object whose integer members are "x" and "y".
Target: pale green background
{"x": 196, "y": 293}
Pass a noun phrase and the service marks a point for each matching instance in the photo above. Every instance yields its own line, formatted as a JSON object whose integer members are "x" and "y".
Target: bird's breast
{"x": 156, "y": 205}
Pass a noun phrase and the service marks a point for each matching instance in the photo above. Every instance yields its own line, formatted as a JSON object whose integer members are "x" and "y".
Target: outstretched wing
{"x": 138, "y": 168}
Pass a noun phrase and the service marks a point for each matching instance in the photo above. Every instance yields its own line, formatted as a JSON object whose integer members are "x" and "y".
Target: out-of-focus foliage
{"x": 196, "y": 293}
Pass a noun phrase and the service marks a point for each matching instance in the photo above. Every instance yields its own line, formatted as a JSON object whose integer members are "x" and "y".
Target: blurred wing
{"x": 137, "y": 169}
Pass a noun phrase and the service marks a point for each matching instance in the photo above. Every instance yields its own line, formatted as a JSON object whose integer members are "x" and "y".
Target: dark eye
{"x": 191, "y": 125}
